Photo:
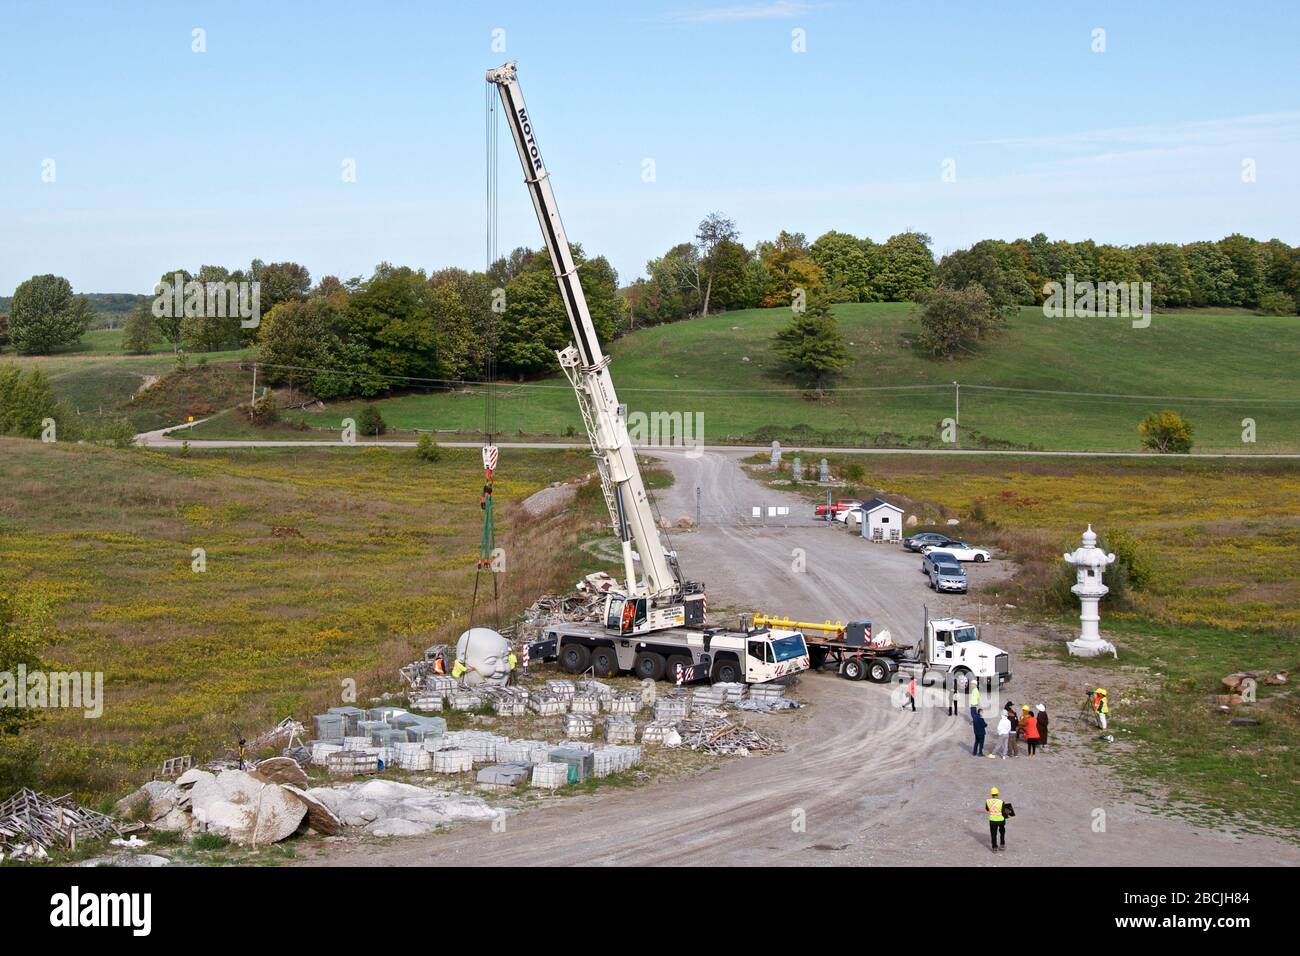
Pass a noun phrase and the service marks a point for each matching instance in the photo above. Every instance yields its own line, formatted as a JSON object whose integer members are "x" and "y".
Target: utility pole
{"x": 697, "y": 506}
{"x": 957, "y": 412}
{"x": 254, "y": 398}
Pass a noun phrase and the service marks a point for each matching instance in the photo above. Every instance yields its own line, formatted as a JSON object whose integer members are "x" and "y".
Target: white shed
{"x": 882, "y": 521}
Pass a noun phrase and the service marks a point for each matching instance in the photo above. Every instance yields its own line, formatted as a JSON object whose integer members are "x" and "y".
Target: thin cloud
{"x": 777, "y": 10}
{"x": 1229, "y": 131}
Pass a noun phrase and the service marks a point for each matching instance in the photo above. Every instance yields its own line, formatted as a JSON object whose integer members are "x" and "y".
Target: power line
{"x": 676, "y": 389}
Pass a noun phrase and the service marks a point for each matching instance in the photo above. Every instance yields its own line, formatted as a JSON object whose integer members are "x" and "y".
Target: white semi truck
{"x": 657, "y": 624}
{"x": 948, "y": 645}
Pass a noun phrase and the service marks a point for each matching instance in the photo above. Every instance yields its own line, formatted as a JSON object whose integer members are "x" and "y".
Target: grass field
{"x": 99, "y": 381}
{"x": 1222, "y": 539}
{"x": 1214, "y": 369}
{"x": 321, "y": 564}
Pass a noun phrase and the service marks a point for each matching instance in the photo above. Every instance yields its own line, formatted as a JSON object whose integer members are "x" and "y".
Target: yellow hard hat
{"x": 1024, "y": 707}
{"x": 1100, "y": 691}
{"x": 993, "y": 792}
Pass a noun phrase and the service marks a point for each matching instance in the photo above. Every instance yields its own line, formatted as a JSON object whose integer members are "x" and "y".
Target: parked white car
{"x": 960, "y": 551}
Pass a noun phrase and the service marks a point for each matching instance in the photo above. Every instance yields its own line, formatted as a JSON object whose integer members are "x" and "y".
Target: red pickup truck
{"x": 844, "y": 504}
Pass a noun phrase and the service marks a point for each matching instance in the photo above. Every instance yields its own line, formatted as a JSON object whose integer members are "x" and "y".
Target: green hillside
{"x": 1215, "y": 369}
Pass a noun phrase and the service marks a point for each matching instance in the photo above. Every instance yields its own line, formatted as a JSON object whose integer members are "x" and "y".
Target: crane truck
{"x": 949, "y": 646}
{"x": 656, "y": 626}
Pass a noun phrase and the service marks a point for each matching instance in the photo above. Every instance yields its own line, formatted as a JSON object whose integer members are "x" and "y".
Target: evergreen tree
{"x": 811, "y": 346}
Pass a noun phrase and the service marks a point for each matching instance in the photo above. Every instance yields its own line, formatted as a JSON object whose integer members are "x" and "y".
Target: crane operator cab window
{"x": 761, "y": 651}
{"x": 626, "y": 614}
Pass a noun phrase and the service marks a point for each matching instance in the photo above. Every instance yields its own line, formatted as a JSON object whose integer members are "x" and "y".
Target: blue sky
{"x": 165, "y": 157}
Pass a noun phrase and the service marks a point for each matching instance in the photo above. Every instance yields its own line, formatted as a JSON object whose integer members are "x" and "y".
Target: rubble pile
{"x": 31, "y": 823}
{"x": 719, "y": 736}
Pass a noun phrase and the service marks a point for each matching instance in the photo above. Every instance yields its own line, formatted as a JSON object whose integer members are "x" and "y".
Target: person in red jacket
{"x": 1030, "y": 725}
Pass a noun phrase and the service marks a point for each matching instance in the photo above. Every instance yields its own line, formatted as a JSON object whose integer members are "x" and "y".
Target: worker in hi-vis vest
{"x": 974, "y": 696}
{"x": 997, "y": 822}
{"x": 512, "y": 661}
{"x": 1101, "y": 707}
{"x": 458, "y": 669}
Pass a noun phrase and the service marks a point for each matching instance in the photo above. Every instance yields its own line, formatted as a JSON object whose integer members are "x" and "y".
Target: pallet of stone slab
{"x": 564, "y": 689}
{"x": 329, "y": 726}
{"x": 615, "y": 759}
{"x": 584, "y": 703}
{"x": 452, "y": 760}
{"x": 598, "y": 689}
{"x": 625, "y": 703}
{"x": 416, "y": 672}
{"x": 413, "y": 756}
{"x": 549, "y": 776}
{"x": 464, "y": 700}
{"x": 619, "y": 730}
{"x": 581, "y": 762}
{"x": 351, "y": 715}
{"x": 577, "y": 726}
{"x": 671, "y": 708}
{"x": 29, "y": 818}
{"x": 546, "y": 704}
{"x": 352, "y": 763}
{"x": 522, "y": 751}
{"x": 510, "y": 706}
{"x": 387, "y": 737}
{"x": 320, "y": 751}
{"x": 425, "y": 701}
{"x": 503, "y": 777}
{"x": 660, "y": 733}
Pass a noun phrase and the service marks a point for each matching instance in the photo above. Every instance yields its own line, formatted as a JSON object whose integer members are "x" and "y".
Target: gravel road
{"x": 862, "y": 781}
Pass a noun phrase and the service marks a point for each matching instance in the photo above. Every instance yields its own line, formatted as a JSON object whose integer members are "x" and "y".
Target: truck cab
{"x": 953, "y": 645}
{"x": 773, "y": 654}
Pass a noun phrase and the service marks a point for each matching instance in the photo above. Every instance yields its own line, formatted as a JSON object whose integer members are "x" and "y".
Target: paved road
{"x": 174, "y": 436}
{"x": 862, "y": 781}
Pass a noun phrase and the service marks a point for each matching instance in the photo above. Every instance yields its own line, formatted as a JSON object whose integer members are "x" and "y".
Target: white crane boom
{"x": 587, "y": 368}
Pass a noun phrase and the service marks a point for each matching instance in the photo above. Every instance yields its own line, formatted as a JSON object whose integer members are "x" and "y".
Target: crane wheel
{"x": 726, "y": 670}
{"x": 650, "y": 665}
{"x": 574, "y": 658}
{"x": 604, "y": 661}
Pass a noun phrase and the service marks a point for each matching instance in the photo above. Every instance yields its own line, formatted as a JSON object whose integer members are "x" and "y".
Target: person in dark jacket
{"x": 980, "y": 726}
{"x": 1015, "y": 729}
{"x": 1042, "y": 726}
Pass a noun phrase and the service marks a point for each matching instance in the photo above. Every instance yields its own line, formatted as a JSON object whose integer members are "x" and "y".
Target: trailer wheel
{"x": 878, "y": 671}
{"x": 604, "y": 661}
{"x": 574, "y": 657}
{"x": 852, "y": 669}
{"x": 650, "y": 665}
{"x": 670, "y": 668}
{"x": 726, "y": 670}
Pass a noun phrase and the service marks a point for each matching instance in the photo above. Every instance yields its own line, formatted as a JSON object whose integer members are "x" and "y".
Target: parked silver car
{"x": 944, "y": 571}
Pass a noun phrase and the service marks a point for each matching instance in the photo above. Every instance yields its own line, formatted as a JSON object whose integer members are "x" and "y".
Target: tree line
{"x": 401, "y": 326}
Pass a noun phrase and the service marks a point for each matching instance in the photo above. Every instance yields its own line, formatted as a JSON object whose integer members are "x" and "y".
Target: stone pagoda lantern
{"x": 1091, "y": 562}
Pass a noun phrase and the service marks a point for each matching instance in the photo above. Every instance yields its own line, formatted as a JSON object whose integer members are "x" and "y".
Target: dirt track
{"x": 870, "y": 783}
